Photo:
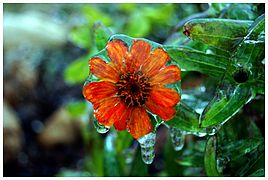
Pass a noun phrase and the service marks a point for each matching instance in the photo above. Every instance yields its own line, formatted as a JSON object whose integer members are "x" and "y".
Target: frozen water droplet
{"x": 199, "y": 134}
{"x": 212, "y": 131}
{"x": 99, "y": 127}
{"x": 147, "y": 143}
{"x": 177, "y": 138}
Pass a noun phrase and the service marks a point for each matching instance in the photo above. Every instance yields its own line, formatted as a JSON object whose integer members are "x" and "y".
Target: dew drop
{"x": 147, "y": 143}
{"x": 212, "y": 131}
{"x": 199, "y": 134}
{"x": 177, "y": 138}
{"x": 99, "y": 127}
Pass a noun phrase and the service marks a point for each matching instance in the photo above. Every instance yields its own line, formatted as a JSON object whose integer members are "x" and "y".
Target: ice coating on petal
{"x": 147, "y": 143}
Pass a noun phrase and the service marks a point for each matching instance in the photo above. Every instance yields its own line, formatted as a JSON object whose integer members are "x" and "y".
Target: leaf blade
{"x": 210, "y": 158}
{"x": 221, "y": 33}
{"x": 190, "y": 59}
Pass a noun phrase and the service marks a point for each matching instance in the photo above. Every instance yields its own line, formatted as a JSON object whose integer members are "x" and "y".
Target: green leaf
{"x": 81, "y": 36}
{"x": 236, "y": 149}
{"x": 219, "y": 6}
{"x": 76, "y": 108}
{"x": 257, "y": 27}
{"x": 258, "y": 173}
{"x": 190, "y": 59}
{"x": 77, "y": 71}
{"x": 224, "y": 108}
{"x": 242, "y": 11}
{"x": 249, "y": 55}
{"x": 210, "y": 159}
{"x": 255, "y": 162}
{"x": 221, "y": 33}
{"x": 164, "y": 13}
{"x": 127, "y": 7}
{"x": 101, "y": 34}
{"x": 94, "y": 14}
{"x": 140, "y": 29}
{"x": 186, "y": 119}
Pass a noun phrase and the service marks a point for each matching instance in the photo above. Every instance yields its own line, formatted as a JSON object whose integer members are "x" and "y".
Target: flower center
{"x": 133, "y": 88}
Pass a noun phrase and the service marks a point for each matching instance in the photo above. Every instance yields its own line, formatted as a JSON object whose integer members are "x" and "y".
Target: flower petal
{"x": 117, "y": 49}
{"x": 163, "y": 96}
{"x": 121, "y": 124}
{"x": 166, "y": 113}
{"x": 167, "y": 75}
{"x": 97, "y": 91}
{"x": 155, "y": 62}
{"x": 139, "y": 52}
{"x": 110, "y": 110}
{"x": 102, "y": 70}
{"x": 139, "y": 123}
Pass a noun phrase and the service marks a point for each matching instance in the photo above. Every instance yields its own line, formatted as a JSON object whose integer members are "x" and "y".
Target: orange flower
{"x": 133, "y": 82}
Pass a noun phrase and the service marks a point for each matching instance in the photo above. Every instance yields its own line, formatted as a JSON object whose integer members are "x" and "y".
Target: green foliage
{"x": 242, "y": 11}
{"x": 186, "y": 119}
{"x": 226, "y": 48}
{"x": 76, "y": 108}
{"x": 193, "y": 60}
{"x": 221, "y": 33}
{"x": 241, "y": 79}
{"x": 77, "y": 71}
{"x": 81, "y": 36}
{"x": 220, "y": 110}
{"x": 210, "y": 159}
{"x": 101, "y": 35}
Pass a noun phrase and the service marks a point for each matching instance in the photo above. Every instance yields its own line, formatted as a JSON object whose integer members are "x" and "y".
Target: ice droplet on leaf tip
{"x": 147, "y": 143}
{"x": 99, "y": 127}
{"x": 177, "y": 138}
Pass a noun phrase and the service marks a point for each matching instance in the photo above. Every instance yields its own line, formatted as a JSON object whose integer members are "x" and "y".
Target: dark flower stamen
{"x": 133, "y": 88}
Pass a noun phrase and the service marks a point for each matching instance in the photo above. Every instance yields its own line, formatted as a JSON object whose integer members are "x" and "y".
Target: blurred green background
{"x": 47, "y": 131}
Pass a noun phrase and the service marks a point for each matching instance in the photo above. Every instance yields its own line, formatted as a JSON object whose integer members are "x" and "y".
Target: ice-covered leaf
{"x": 190, "y": 59}
{"x": 221, "y": 33}
{"x": 243, "y": 11}
{"x": 210, "y": 159}
{"x": 101, "y": 35}
{"x": 222, "y": 109}
{"x": 186, "y": 120}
